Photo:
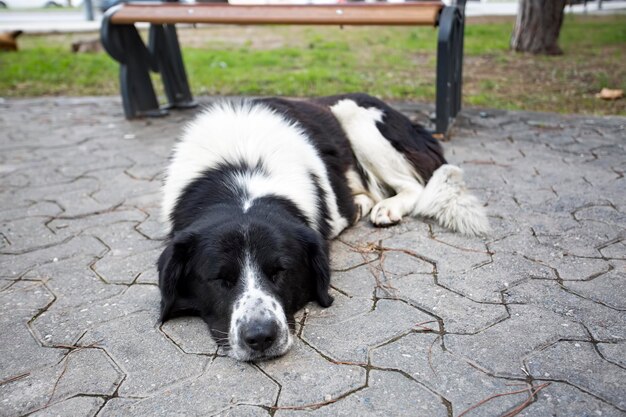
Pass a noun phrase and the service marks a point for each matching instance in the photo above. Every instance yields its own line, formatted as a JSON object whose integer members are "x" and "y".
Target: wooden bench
{"x": 162, "y": 54}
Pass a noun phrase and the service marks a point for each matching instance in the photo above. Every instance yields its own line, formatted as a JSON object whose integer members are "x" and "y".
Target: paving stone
{"x": 14, "y": 266}
{"x": 604, "y": 323}
{"x": 584, "y": 239}
{"x": 191, "y": 334}
{"x": 224, "y": 383}
{"x": 65, "y": 325}
{"x": 152, "y": 227}
{"x": 546, "y": 224}
{"x": 29, "y": 391}
{"x": 36, "y": 209}
{"x": 603, "y": 214}
{"x": 579, "y": 364}
{"x": 147, "y": 370}
{"x": 387, "y": 394}
{"x": 569, "y": 267}
{"x": 22, "y": 353}
{"x": 486, "y": 282}
{"x": 358, "y": 282}
{"x": 147, "y": 172}
{"x": 615, "y": 250}
{"x": 344, "y": 257}
{"x": 572, "y": 268}
{"x": 608, "y": 289}
{"x": 614, "y": 352}
{"x": 27, "y": 235}
{"x": 501, "y": 348}
{"x": 130, "y": 253}
{"x": 126, "y": 269}
{"x": 459, "y": 314}
{"x": 72, "y": 196}
{"x": 117, "y": 185}
{"x": 73, "y": 282}
{"x": 397, "y": 264}
{"x": 74, "y": 407}
{"x": 352, "y": 327}
{"x": 73, "y": 226}
{"x": 562, "y": 400}
{"x": 89, "y": 372}
{"x": 364, "y": 235}
{"x": 421, "y": 356}
{"x": 454, "y": 255}
{"x": 299, "y": 374}
{"x": 117, "y": 406}
{"x": 243, "y": 411}
{"x": 81, "y": 372}
{"x": 87, "y": 159}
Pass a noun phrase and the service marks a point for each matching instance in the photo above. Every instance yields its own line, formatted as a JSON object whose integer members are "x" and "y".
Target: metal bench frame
{"x": 123, "y": 42}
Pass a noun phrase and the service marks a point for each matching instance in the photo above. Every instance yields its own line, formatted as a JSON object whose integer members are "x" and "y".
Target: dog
{"x": 255, "y": 190}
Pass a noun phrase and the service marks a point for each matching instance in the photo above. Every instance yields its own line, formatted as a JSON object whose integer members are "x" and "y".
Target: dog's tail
{"x": 446, "y": 199}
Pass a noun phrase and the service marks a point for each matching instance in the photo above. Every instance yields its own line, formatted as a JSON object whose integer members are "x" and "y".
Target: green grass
{"x": 395, "y": 63}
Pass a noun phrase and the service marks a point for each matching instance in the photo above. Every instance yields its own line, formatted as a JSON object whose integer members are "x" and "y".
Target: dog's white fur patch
{"x": 444, "y": 198}
{"x": 254, "y": 134}
{"x": 256, "y": 304}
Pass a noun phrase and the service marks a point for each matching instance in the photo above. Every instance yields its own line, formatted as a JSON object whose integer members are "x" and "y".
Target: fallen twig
{"x": 430, "y": 355}
{"x": 525, "y": 404}
{"x": 531, "y": 394}
{"x": 485, "y": 162}
{"x": 421, "y": 325}
{"x": 313, "y": 406}
{"x": 14, "y": 378}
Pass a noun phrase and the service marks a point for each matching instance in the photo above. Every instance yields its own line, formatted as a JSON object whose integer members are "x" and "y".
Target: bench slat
{"x": 402, "y": 14}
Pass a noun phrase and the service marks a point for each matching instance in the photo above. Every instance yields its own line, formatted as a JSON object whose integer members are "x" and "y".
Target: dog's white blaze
{"x": 254, "y": 304}
{"x": 254, "y": 134}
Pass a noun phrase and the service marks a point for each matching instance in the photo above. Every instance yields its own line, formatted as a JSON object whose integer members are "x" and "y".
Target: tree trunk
{"x": 537, "y": 26}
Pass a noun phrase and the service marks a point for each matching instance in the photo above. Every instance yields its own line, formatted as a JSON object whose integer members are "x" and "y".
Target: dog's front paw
{"x": 385, "y": 214}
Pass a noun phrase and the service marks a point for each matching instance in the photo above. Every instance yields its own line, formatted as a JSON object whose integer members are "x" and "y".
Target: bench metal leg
{"x": 125, "y": 45}
{"x": 449, "y": 67}
{"x": 164, "y": 47}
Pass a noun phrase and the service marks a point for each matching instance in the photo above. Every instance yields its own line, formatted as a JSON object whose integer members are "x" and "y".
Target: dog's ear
{"x": 172, "y": 269}
{"x": 317, "y": 252}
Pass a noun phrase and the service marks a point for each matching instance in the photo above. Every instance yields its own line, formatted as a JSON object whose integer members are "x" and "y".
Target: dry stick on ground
{"x": 372, "y": 247}
{"x": 349, "y": 363}
{"x": 531, "y": 394}
{"x": 421, "y": 325}
{"x": 430, "y": 356}
{"x": 14, "y": 378}
{"x": 525, "y": 404}
{"x": 313, "y": 406}
{"x": 485, "y": 162}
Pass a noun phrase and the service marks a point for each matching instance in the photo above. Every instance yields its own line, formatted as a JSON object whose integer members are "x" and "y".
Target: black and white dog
{"x": 257, "y": 187}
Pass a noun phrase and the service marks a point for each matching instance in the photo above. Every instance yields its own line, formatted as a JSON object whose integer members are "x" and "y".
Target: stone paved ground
{"x": 425, "y": 323}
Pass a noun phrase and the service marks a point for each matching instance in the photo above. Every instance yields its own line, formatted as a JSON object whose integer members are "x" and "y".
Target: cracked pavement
{"x": 529, "y": 321}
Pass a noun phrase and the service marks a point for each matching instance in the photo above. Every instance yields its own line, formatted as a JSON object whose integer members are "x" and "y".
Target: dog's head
{"x": 246, "y": 279}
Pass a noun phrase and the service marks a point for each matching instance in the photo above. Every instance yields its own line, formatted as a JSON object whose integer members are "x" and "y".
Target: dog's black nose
{"x": 260, "y": 335}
